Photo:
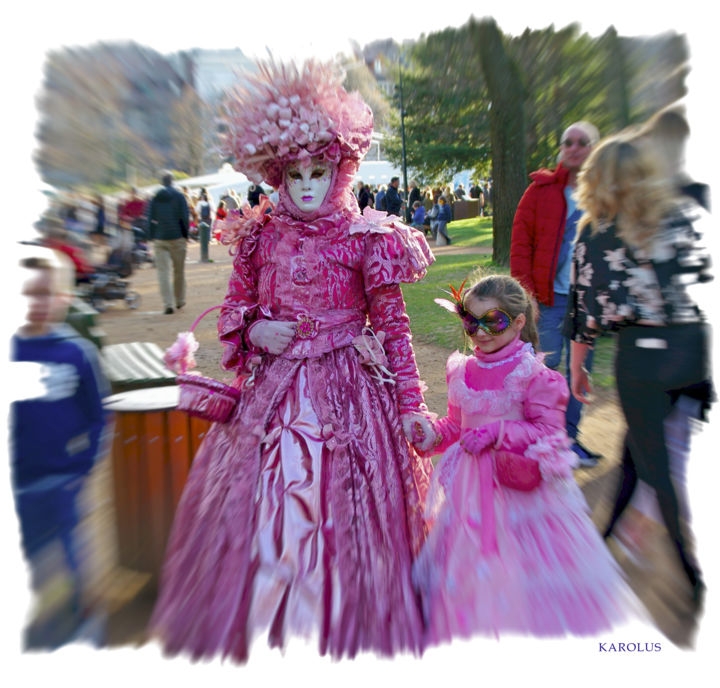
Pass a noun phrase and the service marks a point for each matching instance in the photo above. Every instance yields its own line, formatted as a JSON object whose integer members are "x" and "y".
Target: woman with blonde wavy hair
{"x": 638, "y": 250}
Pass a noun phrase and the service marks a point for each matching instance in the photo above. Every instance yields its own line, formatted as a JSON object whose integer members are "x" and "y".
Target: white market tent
{"x": 216, "y": 184}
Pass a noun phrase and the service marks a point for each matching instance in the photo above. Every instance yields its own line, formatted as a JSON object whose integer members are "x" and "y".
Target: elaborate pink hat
{"x": 285, "y": 113}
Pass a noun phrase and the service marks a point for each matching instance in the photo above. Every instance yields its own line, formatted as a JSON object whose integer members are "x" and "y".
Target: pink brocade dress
{"x": 303, "y": 513}
{"x": 551, "y": 572}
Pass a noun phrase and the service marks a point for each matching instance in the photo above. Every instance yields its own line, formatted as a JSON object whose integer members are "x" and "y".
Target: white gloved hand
{"x": 272, "y": 336}
{"x": 419, "y": 431}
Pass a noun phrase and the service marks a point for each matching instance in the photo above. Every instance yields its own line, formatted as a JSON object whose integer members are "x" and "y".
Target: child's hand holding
{"x": 419, "y": 431}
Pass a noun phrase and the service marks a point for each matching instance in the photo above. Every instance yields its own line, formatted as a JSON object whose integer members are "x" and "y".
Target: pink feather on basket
{"x": 179, "y": 357}
{"x": 199, "y": 395}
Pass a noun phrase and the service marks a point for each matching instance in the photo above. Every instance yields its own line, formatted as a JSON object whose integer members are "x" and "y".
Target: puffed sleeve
{"x": 394, "y": 253}
{"x": 448, "y": 428}
{"x": 542, "y": 435}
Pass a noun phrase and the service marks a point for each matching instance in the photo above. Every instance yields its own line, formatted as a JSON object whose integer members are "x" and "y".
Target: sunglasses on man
{"x": 568, "y": 143}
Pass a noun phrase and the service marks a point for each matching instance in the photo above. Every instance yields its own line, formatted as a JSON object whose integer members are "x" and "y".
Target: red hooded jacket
{"x": 537, "y": 232}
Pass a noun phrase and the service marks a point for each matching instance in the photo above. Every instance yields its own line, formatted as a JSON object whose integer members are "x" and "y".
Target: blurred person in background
{"x": 413, "y": 196}
{"x": 364, "y": 197}
{"x": 444, "y": 216}
{"x": 100, "y": 217}
{"x": 544, "y": 229}
{"x": 254, "y": 193}
{"x": 57, "y": 434}
{"x": 667, "y": 133}
{"x": 168, "y": 226}
{"x": 220, "y": 215}
{"x": 393, "y": 199}
{"x": 205, "y": 215}
{"x": 380, "y": 198}
{"x": 637, "y": 260}
{"x": 192, "y": 213}
{"x": 132, "y": 212}
{"x": 229, "y": 200}
{"x": 418, "y": 218}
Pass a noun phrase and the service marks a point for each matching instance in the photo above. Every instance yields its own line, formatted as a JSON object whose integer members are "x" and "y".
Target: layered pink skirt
{"x": 551, "y": 574}
{"x": 301, "y": 515}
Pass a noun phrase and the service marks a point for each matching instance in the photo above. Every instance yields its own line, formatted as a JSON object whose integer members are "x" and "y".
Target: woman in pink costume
{"x": 303, "y": 513}
{"x": 512, "y": 548}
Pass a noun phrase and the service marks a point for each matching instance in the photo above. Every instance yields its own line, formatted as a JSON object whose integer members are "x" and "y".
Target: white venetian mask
{"x": 308, "y": 183}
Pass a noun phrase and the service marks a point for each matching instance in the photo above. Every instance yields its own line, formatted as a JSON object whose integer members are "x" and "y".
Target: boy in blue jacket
{"x": 58, "y": 428}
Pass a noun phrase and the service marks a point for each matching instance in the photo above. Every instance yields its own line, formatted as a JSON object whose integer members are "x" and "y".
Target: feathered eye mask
{"x": 493, "y": 322}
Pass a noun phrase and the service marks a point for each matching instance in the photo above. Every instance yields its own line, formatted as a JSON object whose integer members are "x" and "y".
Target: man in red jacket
{"x": 544, "y": 229}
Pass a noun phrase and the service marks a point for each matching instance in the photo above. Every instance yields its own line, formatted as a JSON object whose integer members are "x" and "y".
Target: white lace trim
{"x": 495, "y": 402}
{"x": 494, "y": 364}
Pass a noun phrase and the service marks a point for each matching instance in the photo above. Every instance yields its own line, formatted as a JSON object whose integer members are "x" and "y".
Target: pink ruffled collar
{"x": 508, "y": 352}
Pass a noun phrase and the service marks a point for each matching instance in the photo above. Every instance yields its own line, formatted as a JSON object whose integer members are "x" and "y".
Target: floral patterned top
{"x": 613, "y": 284}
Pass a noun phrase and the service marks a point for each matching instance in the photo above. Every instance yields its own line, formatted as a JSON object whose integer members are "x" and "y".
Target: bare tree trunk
{"x": 507, "y": 131}
{"x": 616, "y": 71}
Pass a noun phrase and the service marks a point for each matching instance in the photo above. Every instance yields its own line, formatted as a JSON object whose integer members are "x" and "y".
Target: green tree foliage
{"x": 612, "y": 81}
{"x": 446, "y": 110}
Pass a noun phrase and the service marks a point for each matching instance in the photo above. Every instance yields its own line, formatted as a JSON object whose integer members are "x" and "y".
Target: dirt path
{"x": 602, "y": 425}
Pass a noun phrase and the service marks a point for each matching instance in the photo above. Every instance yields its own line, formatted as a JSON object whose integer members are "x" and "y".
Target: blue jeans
{"x": 552, "y": 343}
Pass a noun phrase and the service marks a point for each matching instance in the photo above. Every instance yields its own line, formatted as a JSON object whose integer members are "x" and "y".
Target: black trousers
{"x": 648, "y": 378}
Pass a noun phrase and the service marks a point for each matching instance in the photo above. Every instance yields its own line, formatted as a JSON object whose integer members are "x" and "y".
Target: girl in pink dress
{"x": 303, "y": 513}
{"x": 512, "y": 548}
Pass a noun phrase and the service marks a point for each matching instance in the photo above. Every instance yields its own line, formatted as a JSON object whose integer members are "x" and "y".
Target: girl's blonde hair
{"x": 622, "y": 182}
{"x": 511, "y": 297}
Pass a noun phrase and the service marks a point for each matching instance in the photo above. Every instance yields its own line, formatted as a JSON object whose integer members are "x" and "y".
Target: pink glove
{"x": 477, "y": 440}
{"x": 272, "y": 336}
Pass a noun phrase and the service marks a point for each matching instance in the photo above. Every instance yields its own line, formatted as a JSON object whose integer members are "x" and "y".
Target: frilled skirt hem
{"x": 552, "y": 574}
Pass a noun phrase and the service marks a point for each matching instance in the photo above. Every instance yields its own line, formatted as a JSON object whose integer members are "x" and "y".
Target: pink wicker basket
{"x": 203, "y": 396}
{"x": 206, "y": 398}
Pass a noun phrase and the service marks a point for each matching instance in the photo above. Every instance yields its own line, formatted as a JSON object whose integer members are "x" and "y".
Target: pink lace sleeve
{"x": 387, "y": 314}
{"x": 542, "y": 435}
{"x": 399, "y": 254}
{"x": 239, "y": 310}
{"x": 449, "y": 427}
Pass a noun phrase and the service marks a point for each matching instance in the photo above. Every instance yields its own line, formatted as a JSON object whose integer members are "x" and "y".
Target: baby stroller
{"x": 109, "y": 282}
{"x": 140, "y": 250}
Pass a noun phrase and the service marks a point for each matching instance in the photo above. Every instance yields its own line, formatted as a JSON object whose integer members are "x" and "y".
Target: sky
{"x": 295, "y": 30}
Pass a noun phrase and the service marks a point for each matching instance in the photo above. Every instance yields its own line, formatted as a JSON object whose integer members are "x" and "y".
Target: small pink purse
{"x": 517, "y": 471}
{"x": 514, "y": 470}
{"x": 200, "y": 396}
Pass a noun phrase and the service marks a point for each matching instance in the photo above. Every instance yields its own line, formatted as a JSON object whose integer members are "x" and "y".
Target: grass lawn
{"x": 476, "y": 231}
{"x": 431, "y": 324}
